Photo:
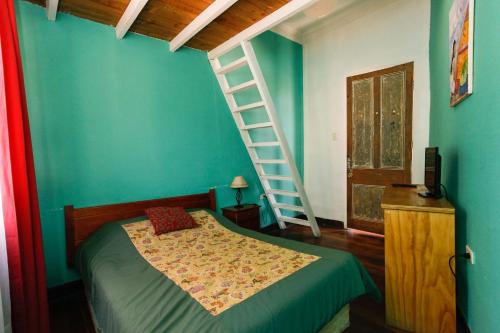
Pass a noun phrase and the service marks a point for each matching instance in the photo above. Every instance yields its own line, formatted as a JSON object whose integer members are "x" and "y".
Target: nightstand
{"x": 246, "y": 216}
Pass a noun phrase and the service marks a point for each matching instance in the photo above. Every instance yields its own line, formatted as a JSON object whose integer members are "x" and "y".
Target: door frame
{"x": 408, "y": 68}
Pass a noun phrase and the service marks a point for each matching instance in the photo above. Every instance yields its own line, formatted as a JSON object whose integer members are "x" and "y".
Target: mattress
{"x": 128, "y": 294}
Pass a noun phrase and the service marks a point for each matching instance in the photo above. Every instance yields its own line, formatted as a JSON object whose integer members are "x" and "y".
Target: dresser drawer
{"x": 252, "y": 224}
{"x": 248, "y": 215}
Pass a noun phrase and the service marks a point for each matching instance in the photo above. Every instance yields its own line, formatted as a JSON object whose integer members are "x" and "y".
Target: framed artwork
{"x": 461, "y": 49}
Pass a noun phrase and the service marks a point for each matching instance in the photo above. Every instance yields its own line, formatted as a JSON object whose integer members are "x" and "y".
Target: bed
{"x": 127, "y": 293}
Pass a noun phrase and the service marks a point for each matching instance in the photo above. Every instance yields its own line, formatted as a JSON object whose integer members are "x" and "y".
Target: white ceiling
{"x": 295, "y": 27}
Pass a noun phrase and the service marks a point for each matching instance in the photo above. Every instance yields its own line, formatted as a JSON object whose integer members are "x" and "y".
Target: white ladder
{"x": 249, "y": 59}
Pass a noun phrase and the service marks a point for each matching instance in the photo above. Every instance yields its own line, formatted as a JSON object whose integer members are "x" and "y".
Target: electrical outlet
{"x": 471, "y": 254}
{"x": 262, "y": 196}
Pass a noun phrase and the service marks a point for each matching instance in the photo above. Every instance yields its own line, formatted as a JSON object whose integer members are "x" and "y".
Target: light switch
{"x": 334, "y": 136}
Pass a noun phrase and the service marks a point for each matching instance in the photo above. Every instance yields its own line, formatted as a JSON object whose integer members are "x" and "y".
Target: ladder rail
{"x": 270, "y": 108}
{"x": 249, "y": 59}
{"x": 245, "y": 136}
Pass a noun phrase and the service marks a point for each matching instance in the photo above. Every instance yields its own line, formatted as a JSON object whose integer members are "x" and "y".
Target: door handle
{"x": 349, "y": 167}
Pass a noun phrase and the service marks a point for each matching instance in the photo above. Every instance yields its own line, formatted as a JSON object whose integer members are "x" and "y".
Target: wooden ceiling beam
{"x": 51, "y": 7}
{"x": 201, "y": 21}
{"x": 128, "y": 18}
{"x": 268, "y": 22}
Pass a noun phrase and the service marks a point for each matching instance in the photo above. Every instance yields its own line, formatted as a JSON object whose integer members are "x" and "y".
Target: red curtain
{"x": 28, "y": 290}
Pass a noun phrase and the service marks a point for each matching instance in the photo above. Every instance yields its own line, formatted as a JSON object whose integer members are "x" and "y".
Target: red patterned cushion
{"x": 166, "y": 219}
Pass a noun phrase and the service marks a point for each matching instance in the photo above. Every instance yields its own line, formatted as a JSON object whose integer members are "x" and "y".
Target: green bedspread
{"x": 128, "y": 295}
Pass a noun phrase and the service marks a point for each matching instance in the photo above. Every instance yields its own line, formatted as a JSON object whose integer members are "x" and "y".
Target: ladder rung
{"x": 270, "y": 161}
{"x": 289, "y": 207}
{"x": 294, "y": 220}
{"x": 241, "y": 87}
{"x": 285, "y": 193}
{"x": 264, "y": 144}
{"x": 255, "y": 126}
{"x": 233, "y": 66}
{"x": 276, "y": 177}
{"x": 249, "y": 107}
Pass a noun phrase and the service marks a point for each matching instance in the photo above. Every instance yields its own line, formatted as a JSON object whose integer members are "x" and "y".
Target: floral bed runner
{"x": 217, "y": 267}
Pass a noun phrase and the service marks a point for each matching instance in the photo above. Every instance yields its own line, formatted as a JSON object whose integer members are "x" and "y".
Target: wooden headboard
{"x": 82, "y": 222}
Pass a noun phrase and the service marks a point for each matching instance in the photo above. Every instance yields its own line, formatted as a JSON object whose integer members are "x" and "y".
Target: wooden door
{"x": 379, "y": 141}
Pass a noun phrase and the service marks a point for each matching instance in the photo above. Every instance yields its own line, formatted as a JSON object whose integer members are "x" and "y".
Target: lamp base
{"x": 238, "y": 198}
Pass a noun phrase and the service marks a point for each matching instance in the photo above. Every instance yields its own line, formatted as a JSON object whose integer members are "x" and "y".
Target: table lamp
{"x": 238, "y": 183}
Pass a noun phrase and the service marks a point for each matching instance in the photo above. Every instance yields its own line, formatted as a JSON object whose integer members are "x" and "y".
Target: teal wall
{"x": 115, "y": 121}
{"x": 468, "y": 136}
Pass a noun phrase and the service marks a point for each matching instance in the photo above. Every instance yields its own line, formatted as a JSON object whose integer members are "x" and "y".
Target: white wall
{"x": 368, "y": 36}
{"x": 5, "y": 322}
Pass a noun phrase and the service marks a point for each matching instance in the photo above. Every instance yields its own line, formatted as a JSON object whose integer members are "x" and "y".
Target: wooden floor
{"x": 69, "y": 311}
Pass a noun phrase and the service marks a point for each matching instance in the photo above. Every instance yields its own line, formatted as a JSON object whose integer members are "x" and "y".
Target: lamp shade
{"x": 239, "y": 182}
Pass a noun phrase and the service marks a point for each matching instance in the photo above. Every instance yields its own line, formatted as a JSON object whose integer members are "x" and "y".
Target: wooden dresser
{"x": 419, "y": 241}
{"x": 246, "y": 216}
